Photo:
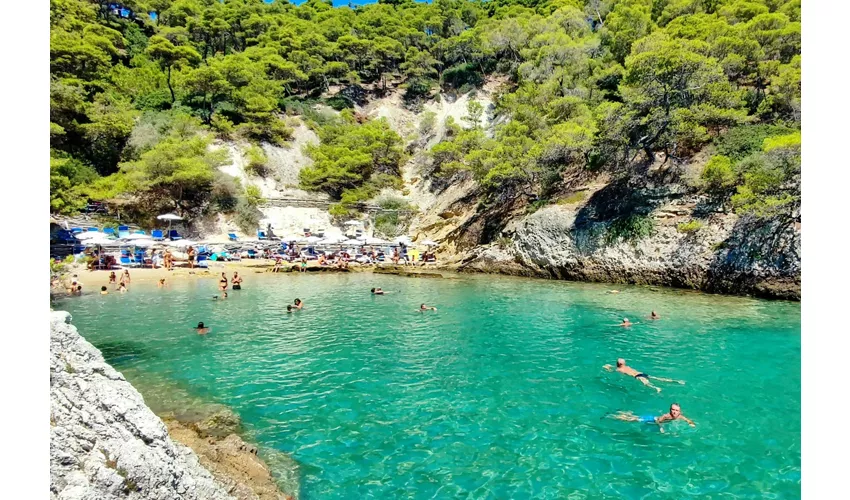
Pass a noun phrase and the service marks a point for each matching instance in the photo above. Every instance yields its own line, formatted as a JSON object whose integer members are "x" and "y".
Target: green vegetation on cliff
{"x": 591, "y": 84}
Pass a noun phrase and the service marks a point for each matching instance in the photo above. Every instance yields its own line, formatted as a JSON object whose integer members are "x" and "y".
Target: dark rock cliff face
{"x": 722, "y": 252}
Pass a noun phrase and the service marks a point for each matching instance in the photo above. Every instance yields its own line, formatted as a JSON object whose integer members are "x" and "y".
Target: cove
{"x": 498, "y": 394}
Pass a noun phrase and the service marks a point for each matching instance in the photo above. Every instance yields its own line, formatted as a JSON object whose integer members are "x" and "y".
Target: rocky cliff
{"x": 104, "y": 441}
{"x": 642, "y": 235}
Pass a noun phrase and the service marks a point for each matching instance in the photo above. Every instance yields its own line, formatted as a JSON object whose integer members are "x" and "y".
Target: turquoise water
{"x": 498, "y": 394}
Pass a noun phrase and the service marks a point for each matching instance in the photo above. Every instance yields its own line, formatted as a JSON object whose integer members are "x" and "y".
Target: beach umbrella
{"x": 142, "y": 243}
{"x": 430, "y": 243}
{"x": 352, "y": 242}
{"x": 331, "y": 240}
{"x": 312, "y": 239}
{"x": 376, "y": 241}
{"x": 169, "y": 218}
{"x": 403, "y": 239}
{"x": 352, "y": 223}
{"x": 139, "y": 237}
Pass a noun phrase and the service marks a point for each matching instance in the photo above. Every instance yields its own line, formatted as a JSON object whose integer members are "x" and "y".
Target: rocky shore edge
{"x": 106, "y": 443}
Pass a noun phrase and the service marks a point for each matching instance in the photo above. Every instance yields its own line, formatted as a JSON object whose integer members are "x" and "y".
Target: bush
{"x": 573, "y": 198}
{"x": 426, "y": 124}
{"x": 689, "y": 227}
{"x": 225, "y": 192}
{"x": 339, "y": 103}
{"x": 462, "y": 75}
{"x": 718, "y": 173}
{"x": 504, "y": 243}
{"x": 392, "y": 203}
{"x": 390, "y": 224}
{"x": 257, "y": 162}
{"x": 253, "y": 195}
{"x": 247, "y": 216}
{"x": 631, "y": 228}
{"x": 740, "y": 142}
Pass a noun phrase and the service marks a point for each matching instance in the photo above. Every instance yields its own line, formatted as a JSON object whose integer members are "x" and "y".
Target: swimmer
{"x": 78, "y": 290}
{"x": 122, "y": 287}
{"x": 289, "y": 308}
{"x": 626, "y": 322}
{"x": 298, "y": 304}
{"x": 202, "y": 330}
{"x": 625, "y": 369}
{"x": 424, "y": 308}
{"x": 675, "y": 413}
{"x": 613, "y": 291}
{"x": 654, "y": 316}
{"x": 222, "y": 283}
{"x": 103, "y": 290}
{"x": 377, "y": 291}
{"x": 237, "y": 281}
{"x": 161, "y": 283}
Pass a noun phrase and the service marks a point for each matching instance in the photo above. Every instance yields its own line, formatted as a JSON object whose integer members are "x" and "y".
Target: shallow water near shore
{"x": 498, "y": 394}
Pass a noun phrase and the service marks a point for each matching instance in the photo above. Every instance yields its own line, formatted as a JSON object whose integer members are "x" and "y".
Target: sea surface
{"x": 500, "y": 393}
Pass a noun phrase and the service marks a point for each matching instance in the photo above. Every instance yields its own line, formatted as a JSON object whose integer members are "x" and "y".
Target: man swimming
{"x": 298, "y": 304}
{"x": 202, "y": 330}
{"x": 377, "y": 291}
{"x": 625, "y": 369}
{"x": 654, "y": 316}
{"x": 424, "y": 308}
{"x": 675, "y": 413}
{"x": 626, "y": 322}
{"x": 103, "y": 290}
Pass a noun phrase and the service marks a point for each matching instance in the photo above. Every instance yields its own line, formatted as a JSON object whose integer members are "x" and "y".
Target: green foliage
{"x": 739, "y": 142}
{"x": 253, "y": 195}
{"x": 247, "y": 216}
{"x": 718, "y": 173}
{"x": 257, "y": 161}
{"x": 353, "y": 156}
{"x": 689, "y": 227}
{"x": 631, "y": 228}
{"x": 577, "y": 197}
{"x": 427, "y": 121}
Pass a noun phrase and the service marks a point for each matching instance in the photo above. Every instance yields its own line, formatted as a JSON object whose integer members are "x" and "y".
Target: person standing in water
{"x": 112, "y": 278}
{"x": 201, "y": 329}
{"x": 237, "y": 281}
{"x": 625, "y": 369}
{"x": 222, "y": 283}
{"x": 675, "y": 413}
{"x": 298, "y": 304}
{"x": 190, "y": 254}
{"x": 103, "y": 290}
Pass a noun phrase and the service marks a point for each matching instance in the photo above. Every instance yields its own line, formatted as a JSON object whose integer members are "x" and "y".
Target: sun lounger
{"x": 109, "y": 231}
{"x": 76, "y": 230}
{"x": 157, "y": 235}
{"x": 92, "y": 229}
{"x": 261, "y": 235}
{"x": 232, "y": 236}
{"x": 174, "y": 235}
{"x": 123, "y": 231}
{"x": 139, "y": 231}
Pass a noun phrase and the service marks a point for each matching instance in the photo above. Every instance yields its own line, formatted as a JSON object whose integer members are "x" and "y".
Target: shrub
{"x": 390, "y": 224}
{"x": 253, "y": 195}
{"x": 718, "y": 173}
{"x": 392, "y": 203}
{"x": 740, "y": 142}
{"x": 631, "y": 228}
{"x": 462, "y": 75}
{"x": 339, "y": 103}
{"x": 225, "y": 192}
{"x": 426, "y": 124}
{"x": 689, "y": 227}
{"x": 247, "y": 216}
{"x": 503, "y": 242}
{"x": 257, "y": 162}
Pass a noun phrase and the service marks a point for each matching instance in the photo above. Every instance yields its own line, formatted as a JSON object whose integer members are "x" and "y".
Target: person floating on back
{"x": 201, "y": 329}
{"x": 424, "y": 308}
{"x": 625, "y": 369}
{"x": 675, "y": 413}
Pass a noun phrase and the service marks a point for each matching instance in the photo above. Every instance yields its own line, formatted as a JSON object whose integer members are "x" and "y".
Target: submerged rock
{"x": 104, "y": 441}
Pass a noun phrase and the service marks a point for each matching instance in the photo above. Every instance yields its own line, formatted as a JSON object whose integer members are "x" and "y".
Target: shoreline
{"x": 92, "y": 280}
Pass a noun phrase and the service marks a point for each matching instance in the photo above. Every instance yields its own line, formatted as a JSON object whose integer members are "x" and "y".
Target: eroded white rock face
{"x": 104, "y": 441}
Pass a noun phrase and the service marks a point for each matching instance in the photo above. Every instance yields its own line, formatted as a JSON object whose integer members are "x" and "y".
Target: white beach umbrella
{"x": 331, "y": 240}
{"x": 169, "y": 218}
{"x": 403, "y": 239}
{"x": 142, "y": 243}
{"x": 430, "y": 243}
{"x": 181, "y": 243}
{"x": 376, "y": 241}
{"x": 352, "y": 242}
{"x": 352, "y": 223}
{"x": 86, "y": 235}
{"x": 139, "y": 237}
{"x": 312, "y": 239}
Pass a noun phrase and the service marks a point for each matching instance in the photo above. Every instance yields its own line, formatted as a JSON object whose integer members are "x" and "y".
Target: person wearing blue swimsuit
{"x": 675, "y": 413}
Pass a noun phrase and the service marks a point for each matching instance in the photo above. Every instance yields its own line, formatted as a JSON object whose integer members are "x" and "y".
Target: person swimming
{"x": 626, "y": 322}
{"x": 654, "y": 316}
{"x": 675, "y": 413}
{"x": 377, "y": 291}
{"x": 289, "y": 308}
{"x": 625, "y": 369}
{"x": 103, "y": 290}
{"x": 161, "y": 282}
{"x": 423, "y": 308}
{"x": 201, "y": 329}
{"x": 122, "y": 287}
{"x": 237, "y": 281}
{"x": 298, "y": 304}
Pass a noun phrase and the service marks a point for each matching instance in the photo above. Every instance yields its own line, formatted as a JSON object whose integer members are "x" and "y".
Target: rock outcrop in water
{"x": 104, "y": 441}
{"x": 722, "y": 252}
